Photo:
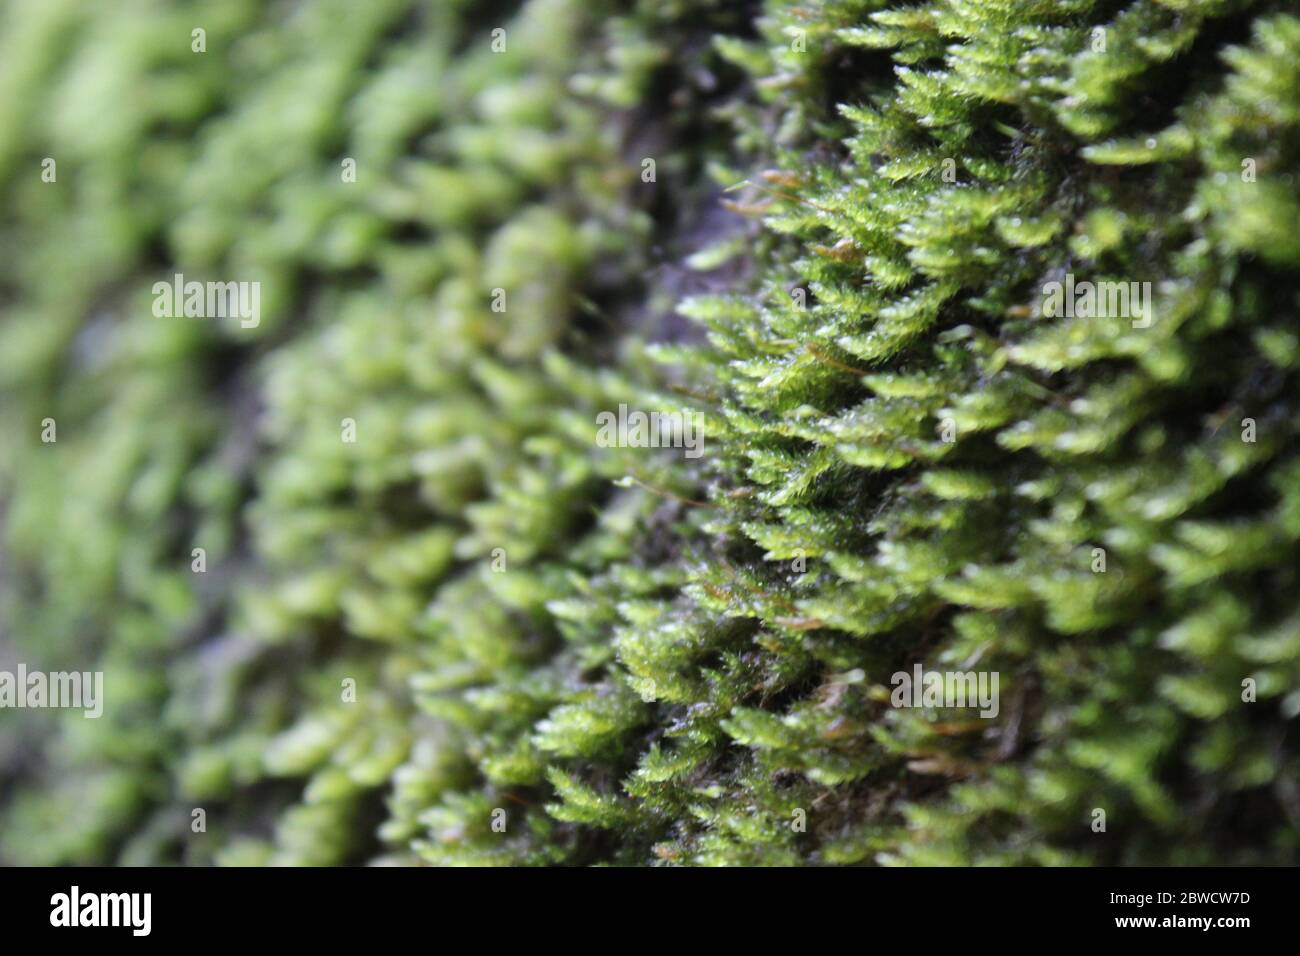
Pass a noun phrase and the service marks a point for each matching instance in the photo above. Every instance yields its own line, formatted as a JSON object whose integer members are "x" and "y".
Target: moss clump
{"x": 474, "y": 636}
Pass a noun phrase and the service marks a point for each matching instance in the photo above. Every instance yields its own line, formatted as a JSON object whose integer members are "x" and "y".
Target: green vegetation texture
{"x": 839, "y": 264}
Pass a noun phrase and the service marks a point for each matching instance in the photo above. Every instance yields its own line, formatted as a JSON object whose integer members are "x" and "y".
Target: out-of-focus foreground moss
{"x": 627, "y": 656}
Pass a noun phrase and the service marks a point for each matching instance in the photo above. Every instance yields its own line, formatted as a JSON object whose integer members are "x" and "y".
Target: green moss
{"x": 563, "y": 653}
